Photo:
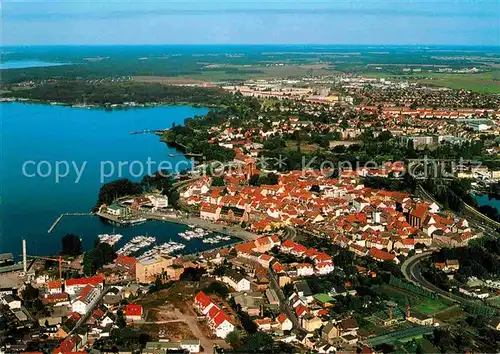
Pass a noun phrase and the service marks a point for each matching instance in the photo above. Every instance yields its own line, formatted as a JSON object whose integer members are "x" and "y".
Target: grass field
{"x": 417, "y": 303}
{"x": 236, "y": 72}
{"x": 488, "y": 82}
{"x": 430, "y": 306}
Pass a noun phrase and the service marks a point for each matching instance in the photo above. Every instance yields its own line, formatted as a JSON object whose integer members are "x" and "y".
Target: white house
{"x": 305, "y": 269}
{"x": 115, "y": 210}
{"x": 284, "y": 321}
{"x": 324, "y": 268}
{"x": 191, "y": 345}
{"x": 221, "y": 325}
{"x": 87, "y": 297}
{"x": 158, "y": 201}
{"x": 236, "y": 280}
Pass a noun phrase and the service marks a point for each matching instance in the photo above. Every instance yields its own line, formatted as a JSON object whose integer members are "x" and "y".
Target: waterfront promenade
{"x": 235, "y": 231}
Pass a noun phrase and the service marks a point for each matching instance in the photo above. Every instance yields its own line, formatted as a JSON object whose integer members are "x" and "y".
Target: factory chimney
{"x": 24, "y": 256}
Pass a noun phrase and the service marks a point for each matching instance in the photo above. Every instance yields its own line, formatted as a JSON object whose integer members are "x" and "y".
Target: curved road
{"x": 411, "y": 271}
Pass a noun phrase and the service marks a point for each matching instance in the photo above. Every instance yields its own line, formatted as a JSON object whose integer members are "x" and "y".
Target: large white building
{"x": 158, "y": 201}
{"x": 86, "y": 299}
{"x": 75, "y": 285}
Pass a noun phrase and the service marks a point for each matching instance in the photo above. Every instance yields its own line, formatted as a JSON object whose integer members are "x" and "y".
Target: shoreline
{"x": 110, "y": 106}
{"x": 233, "y": 231}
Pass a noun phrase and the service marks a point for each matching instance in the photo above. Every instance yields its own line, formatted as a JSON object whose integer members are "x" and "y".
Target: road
{"x": 84, "y": 318}
{"x": 411, "y": 271}
{"x": 284, "y": 305}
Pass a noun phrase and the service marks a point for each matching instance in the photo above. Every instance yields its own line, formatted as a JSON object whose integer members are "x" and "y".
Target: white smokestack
{"x": 24, "y": 256}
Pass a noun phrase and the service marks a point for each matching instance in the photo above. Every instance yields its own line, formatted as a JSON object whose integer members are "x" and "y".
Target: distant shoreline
{"x": 114, "y": 106}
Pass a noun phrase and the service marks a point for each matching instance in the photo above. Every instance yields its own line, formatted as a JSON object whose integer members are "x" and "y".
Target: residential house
{"x": 236, "y": 280}
{"x": 284, "y": 321}
{"x": 311, "y": 322}
{"x": 133, "y": 312}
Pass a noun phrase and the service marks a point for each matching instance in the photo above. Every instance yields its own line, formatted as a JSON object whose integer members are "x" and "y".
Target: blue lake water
{"x": 36, "y": 132}
{"x": 22, "y": 64}
{"x": 484, "y": 200}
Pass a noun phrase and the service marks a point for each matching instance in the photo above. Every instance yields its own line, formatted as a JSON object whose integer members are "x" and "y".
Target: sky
{"x": 102, "y": 22}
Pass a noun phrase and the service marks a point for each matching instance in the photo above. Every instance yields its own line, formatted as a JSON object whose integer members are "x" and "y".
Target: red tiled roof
{"x": 220, "y": 318}
{"x": 133, "y": 310}
{"x": 281, "y": 318}
{"x": 126, "y": 260}
{"x": 98, "y": 279}
{"x": 381, "y": 255}
{"x": 202, "y": 300}
{"x": 54, "y": 284}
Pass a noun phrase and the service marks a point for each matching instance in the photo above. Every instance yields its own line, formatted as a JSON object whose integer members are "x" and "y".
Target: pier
{"x": 54, "y": 224}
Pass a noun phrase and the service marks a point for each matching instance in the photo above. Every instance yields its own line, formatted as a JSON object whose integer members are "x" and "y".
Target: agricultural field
{"x": 486, "y": 82}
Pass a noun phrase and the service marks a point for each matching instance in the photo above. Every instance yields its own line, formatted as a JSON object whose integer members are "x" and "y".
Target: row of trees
{"x": 109, "y": 92}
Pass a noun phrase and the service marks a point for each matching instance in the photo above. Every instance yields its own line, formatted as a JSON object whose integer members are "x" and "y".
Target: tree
{"x": 218, "y": 181}
{"x": 109, "y": 192}
{"x": 120, "y": 319}
{"x": 30, "y": 293}
{"x": 217, "y": 288}
{"x": 385, "y": 136}
{"x": 258, "y": 342}
{"x": 315, "y": 188}
{"x": 192, "y": 274}
{"x": 96, "y": 258}
{"x": 71, "y": 245}
{"x": 254, "y": 180}
{"x": 234, "y": 338}
{"x": 270, "y": 178}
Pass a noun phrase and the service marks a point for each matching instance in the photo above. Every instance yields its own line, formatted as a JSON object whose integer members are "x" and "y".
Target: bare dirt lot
{"x": 169, "y": 314}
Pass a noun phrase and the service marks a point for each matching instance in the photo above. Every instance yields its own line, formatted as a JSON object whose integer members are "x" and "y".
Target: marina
{"x": 136, "y": 244}
{"x": 166, "y": 248}
{"x": 151, "y": 246}
{"x": 110, "y": 239}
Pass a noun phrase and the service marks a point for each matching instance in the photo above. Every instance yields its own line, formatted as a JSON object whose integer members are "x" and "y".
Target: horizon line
{"x": 249, "y": 44}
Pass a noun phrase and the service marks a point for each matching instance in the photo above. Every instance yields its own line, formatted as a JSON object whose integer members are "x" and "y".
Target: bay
{"x": 35, "y": 132}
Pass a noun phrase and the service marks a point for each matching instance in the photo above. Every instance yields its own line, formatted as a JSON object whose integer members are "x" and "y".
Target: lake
{"x": 23, "y": 64}
{"x": 47, "y": 135}
{"x": 484, "y": 200}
